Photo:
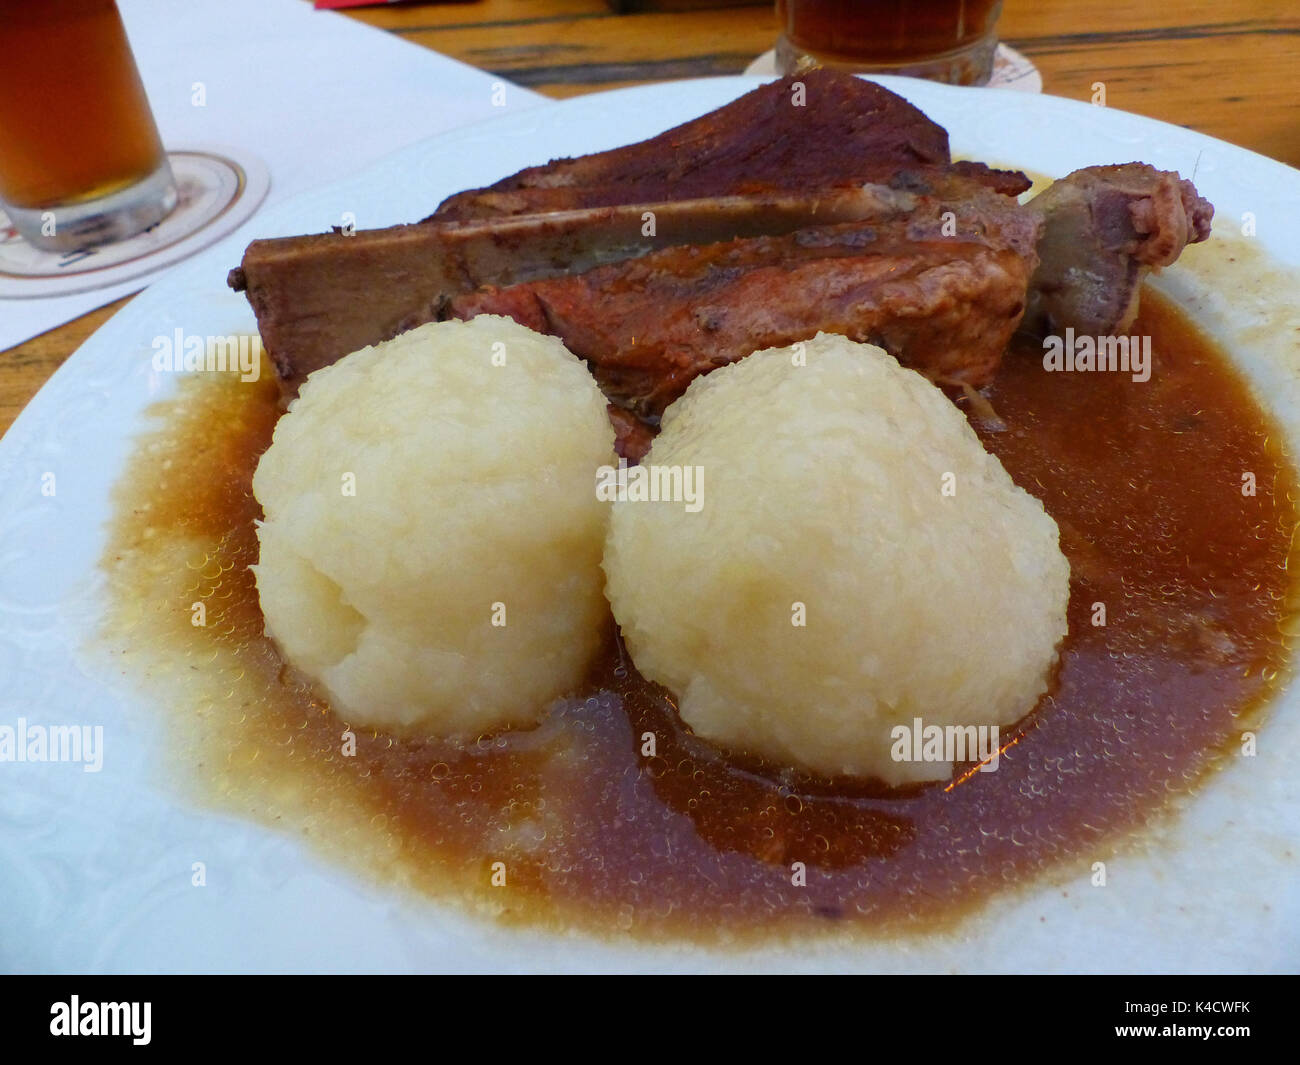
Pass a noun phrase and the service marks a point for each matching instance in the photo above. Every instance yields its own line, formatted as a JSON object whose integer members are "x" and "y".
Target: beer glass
{"x": 81, "y": 162}
{"x": 943, "y": 40}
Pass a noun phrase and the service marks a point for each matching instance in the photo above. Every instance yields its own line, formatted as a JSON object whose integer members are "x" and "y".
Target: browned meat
{"x": 1104, "y": 228}
{"x": 632, "y": 436}
{"x": 946, "y": 305}
{"x": 490, "y": 203}
{"x": 741, "y": 253}
{"x": 318, "y": 298}
{"x": 797, "y": 134}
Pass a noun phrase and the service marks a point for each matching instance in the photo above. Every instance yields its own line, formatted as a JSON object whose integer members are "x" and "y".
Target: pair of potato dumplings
{"x": 475, "y": 485}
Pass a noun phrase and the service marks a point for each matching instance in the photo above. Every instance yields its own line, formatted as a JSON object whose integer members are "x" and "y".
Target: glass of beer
{"x": 81, "y": 162}
{"x": 944, "y": 40}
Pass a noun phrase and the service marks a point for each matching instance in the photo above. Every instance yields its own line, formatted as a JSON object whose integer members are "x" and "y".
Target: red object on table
{"x": 353, "y": 3}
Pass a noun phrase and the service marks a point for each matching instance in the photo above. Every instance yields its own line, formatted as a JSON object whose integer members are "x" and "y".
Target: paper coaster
{"x": 1011, "y": 70}
{"x": 217, "y": 189}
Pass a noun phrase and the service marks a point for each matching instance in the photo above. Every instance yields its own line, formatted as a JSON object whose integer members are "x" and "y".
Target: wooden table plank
{"x": 1226, "y": 70}
{"x": 1165, "y": 72}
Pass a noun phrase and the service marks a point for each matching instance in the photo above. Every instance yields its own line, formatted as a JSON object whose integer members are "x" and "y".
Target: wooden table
{"x": 1224, "y": 69}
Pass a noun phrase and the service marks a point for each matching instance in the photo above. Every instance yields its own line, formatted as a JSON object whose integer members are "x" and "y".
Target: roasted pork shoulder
{"x": 820, "y": 202}
{"x": 793, "y": 135}
{"x": 944, "y": 304}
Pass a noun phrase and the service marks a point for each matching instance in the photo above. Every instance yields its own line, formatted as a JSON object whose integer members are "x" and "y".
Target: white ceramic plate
{"x": 95, "y": 867}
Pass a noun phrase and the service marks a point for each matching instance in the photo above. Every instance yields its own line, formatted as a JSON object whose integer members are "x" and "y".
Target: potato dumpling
{"x": 859, "y": 561}
{"x": 430, "y": 553}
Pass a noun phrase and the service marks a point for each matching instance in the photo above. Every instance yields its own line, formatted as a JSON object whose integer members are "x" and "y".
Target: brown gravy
{"x": 1144, "y": 478}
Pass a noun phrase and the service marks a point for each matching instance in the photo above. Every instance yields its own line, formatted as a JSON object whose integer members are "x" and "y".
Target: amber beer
{"x": 945, "y": 40}
{"x": 79, "y": 149}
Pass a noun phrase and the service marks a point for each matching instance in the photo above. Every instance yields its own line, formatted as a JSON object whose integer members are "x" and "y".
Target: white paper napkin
{"x": 315, "y": 94}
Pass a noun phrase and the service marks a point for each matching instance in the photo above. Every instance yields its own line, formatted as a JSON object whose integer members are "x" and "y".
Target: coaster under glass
{"x": 217, "y": 190}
